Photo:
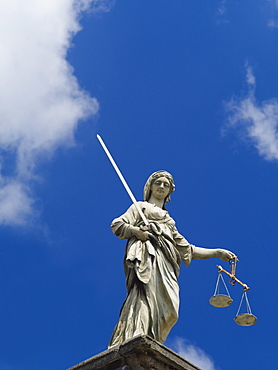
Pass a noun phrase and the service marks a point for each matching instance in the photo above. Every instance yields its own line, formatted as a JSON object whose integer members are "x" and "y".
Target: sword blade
{"x": 127, "y": 188}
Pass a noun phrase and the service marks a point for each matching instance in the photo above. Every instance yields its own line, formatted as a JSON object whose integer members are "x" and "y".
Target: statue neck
{"x": 159, "y": 203}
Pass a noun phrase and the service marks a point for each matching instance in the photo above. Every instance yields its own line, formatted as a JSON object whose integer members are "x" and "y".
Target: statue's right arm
{"x": 124, "y": 227}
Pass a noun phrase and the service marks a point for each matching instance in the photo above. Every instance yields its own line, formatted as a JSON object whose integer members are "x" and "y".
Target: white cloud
{"x": 222, "y": 9}
{"x": 221, "y": 12}
{"x": 254, "y": 120}
{"x": 16, "y": 205}
{"x": 250, "y": 78}
{"x": 41, "y": 101}
{"x": 101, "y": 5}
{"x": 193, "y": 354}
{"x": 273, "y": 23}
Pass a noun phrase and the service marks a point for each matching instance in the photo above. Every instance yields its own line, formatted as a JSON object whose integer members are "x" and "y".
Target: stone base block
{"x": 138, "y": 353}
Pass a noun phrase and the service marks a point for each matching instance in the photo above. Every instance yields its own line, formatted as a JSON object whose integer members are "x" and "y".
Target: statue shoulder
{"x": 142, "y": 204}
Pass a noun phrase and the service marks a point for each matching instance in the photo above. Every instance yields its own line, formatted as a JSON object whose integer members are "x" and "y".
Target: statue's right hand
{"x": 142, "y": 235}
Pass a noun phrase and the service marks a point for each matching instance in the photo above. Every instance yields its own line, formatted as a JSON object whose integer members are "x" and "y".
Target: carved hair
{"x": 150, "y": 181}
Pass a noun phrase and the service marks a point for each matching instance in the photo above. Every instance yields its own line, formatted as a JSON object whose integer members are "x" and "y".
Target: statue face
{"x": 160, "y": 188}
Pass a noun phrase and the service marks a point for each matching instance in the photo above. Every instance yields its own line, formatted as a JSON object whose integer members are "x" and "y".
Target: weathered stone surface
{"x": 138, "y": 353}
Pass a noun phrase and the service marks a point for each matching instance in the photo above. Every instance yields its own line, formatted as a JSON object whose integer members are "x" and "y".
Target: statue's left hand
{"x": 226, "y": 255}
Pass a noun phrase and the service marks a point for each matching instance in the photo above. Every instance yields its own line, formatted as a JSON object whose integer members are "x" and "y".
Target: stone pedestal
{"x": 138, "y": 353}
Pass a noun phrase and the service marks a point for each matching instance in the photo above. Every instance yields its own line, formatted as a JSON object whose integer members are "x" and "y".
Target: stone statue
{"x": 152, "y": 263}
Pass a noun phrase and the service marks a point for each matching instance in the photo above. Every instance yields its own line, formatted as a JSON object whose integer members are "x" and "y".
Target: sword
{"x": 127, "y": 188}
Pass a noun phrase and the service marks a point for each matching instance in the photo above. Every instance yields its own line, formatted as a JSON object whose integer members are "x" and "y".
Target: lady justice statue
{"x": 152, "y": 263}
{"x": 152, "y": 260}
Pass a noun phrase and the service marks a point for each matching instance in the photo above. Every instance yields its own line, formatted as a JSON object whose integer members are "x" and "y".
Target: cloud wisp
{"x": 257, "y": 122}
{"x": 221, "y": 12}
{"x": 41, "y": 100}
{"x": 273, "y": 23}
{"x": 192, "y": 353}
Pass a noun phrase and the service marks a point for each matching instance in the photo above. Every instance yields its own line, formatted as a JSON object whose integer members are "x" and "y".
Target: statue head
{"x": 152, "y": 178}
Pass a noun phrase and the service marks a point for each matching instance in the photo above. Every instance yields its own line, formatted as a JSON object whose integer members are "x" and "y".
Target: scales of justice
{"x": 225, "y": 300}
{"x": 218, "y": 299}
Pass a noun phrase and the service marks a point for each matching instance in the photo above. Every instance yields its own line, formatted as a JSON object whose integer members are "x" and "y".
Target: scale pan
{"x": 220, "y": 300}
{"x": 246, "y": 319}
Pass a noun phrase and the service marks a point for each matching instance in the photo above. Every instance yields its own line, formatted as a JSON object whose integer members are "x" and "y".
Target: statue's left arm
{"x": 200, "y": 253}
{"x": 190, "y": 252}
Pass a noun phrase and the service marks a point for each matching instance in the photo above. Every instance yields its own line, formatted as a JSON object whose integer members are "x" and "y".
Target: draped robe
{"x": 152, "y": 269}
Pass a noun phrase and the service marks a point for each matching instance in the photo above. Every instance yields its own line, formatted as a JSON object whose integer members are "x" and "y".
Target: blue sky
{"x": 186, "y": 86}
